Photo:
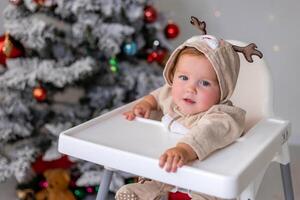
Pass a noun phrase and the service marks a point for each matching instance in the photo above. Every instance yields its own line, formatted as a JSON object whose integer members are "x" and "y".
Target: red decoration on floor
{"x": 39, "y": 166}
{"x": 178, "y": 196}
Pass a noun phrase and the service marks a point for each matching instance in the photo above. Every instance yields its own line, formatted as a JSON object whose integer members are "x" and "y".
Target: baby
{"x": 200, "y": 78}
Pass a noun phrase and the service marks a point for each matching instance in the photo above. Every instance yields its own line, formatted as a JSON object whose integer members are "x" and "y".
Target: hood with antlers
{"x": 222, "y": 55}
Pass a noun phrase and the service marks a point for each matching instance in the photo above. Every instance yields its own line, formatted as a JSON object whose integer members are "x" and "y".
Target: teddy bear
{"x": 57, "y": 189}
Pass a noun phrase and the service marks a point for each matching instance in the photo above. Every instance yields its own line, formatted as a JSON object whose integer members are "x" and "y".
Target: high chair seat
{"x": 234, "y": 172}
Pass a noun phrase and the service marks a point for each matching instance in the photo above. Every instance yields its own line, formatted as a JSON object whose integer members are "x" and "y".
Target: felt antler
{"x": 248, "y": 51}
{"x": 200, "y": 25}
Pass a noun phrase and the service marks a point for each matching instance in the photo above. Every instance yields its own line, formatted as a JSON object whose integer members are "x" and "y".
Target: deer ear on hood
{"x": 201, "y": 25}
{"x": 248, "y": 51}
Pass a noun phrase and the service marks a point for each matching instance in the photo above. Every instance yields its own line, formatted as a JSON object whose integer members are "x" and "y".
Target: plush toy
{"x": 25, "y": 194}
{"x": 57, "y": 189}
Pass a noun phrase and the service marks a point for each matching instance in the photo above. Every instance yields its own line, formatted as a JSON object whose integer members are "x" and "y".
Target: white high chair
{"x": 234, "y": 172}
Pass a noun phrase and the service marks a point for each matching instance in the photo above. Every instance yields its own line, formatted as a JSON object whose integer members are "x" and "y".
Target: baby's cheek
{"x": 176, "y": 93}
{"x": 208, "y": 99}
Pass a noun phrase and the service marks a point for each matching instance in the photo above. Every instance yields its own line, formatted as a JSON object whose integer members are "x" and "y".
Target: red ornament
{"x": 150, "y": 14}
{"x": 161, "y": 54}
{"x": 171, "y": 30}
{"x": 152, "y": 56}
{"x": 157, "y": 56}
{"x": 39, "y": 93}
{"x": 8, "y": 49}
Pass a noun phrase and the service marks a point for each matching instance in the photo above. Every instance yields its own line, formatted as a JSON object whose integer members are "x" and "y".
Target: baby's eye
{"x": 183, "y": 77}
{"x": 204, "y": 83}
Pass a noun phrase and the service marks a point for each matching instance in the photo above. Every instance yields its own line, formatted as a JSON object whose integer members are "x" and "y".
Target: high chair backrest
{"x": 253, "y": 90}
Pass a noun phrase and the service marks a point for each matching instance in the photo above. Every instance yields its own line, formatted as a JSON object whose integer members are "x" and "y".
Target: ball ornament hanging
{"x": 39, "y": 93}
{"x": 113, "y": 64}
{"x": 157, "y": 55}
{"x": 171, "y": 30}
{"x": 8, "y": 48}
{"x": 150, "y": 14}
{"x": 130, "y": 48}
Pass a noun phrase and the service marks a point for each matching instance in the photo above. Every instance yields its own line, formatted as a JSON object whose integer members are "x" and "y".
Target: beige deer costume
{"x": 204, "y": 132}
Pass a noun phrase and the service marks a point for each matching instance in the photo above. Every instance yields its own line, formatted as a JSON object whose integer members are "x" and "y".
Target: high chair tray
{"x": 135, "y": 146}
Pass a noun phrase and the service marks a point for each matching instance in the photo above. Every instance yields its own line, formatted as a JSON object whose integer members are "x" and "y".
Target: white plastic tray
{"x": 135, "y": 146}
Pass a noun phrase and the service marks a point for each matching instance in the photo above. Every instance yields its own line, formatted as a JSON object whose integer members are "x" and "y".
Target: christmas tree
{"x": 64, "y": 62}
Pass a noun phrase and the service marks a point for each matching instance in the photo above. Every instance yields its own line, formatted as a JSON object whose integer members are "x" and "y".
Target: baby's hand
{"x": 173, "y": 158}
{"x": 142, "y": 109}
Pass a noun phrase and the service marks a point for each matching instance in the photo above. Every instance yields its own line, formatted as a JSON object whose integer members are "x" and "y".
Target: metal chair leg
{"x": 104, "y": 186}
{"x": 287, "y": 181}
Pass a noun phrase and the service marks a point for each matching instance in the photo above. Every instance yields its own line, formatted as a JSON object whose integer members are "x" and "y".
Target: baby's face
{"x": 195, "y": 85}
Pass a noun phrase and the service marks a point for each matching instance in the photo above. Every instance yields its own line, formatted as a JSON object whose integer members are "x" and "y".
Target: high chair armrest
{"x": 245, "y": 159}
{"x": 135, "y": 147}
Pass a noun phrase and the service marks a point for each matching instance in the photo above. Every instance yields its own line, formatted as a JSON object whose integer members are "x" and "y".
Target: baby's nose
{"x": 191, "y": 89}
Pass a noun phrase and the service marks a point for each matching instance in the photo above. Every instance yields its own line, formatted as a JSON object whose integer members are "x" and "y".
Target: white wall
{"x": 2, "y": 6}
{"x": 272, "y": 24}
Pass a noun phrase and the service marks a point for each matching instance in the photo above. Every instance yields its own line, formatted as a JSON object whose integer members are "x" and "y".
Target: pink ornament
{"x": 43, "y": 184}
{"x": 89, "y": 189}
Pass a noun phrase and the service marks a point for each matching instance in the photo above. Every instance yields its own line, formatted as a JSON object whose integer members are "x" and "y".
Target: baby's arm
{"x": 143, "y": 108}
{"x": 176, "y": 157}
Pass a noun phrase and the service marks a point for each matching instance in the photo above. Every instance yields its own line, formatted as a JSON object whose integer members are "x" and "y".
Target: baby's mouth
{"x": 189, "y": 101}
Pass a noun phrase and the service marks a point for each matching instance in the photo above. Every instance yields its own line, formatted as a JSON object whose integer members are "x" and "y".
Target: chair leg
{"x": 287, "y": 181}
{"x": 248, "y": 193}
{"x": 284, "y": 159}
{"x": 104, "y": 186}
